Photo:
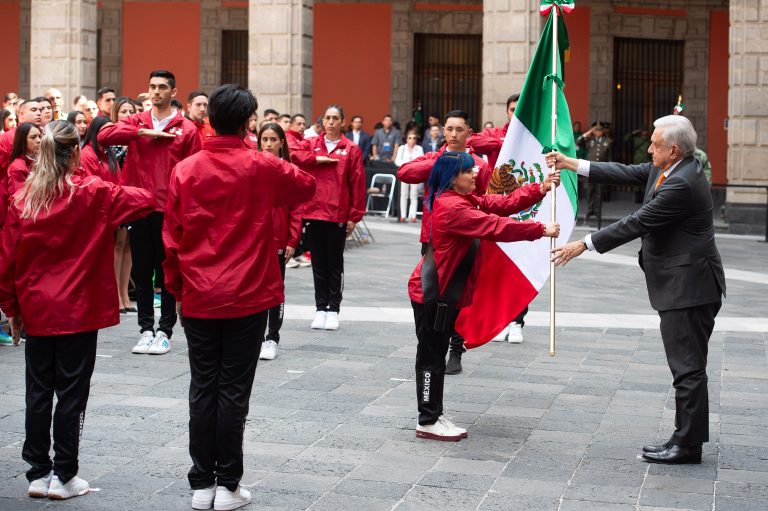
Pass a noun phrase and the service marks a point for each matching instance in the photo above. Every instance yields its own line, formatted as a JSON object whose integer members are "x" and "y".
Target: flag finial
{"x": 565, "y": 6}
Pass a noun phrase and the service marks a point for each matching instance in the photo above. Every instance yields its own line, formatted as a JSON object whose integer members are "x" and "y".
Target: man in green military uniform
{"x": 598, "y": 149}
{"x": 641, "y": 141}
{"x": 705, "y": 165}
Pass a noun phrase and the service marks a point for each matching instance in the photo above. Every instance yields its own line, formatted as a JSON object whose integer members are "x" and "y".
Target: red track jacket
{"x": 14, "y": 180}
{"x": 204, "y": 129}
{"x": 488, "y": 142}
{"x": 93, "y": 167}
{"x": 60, "y": 275}
{"x": 6, "y": 146}
{"x": 293, "y": 139}
{"x": 458, "y": 219}
{"x": 150, "y": 160}
{"x": 218, "y": 235}
{"x": 340, "y": 192}
{"x": 418, "y": 170}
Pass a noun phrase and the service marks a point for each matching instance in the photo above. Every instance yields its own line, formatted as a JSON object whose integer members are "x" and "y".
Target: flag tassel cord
{"x": 553, "y": 241}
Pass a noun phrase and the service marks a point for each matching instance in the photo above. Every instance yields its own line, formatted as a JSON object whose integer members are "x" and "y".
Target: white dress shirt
{"x": 160, "y": 125}
{"x": 330, "y": 146}
{"x": 356, "y": 137}
{"x": 583, "y": 170}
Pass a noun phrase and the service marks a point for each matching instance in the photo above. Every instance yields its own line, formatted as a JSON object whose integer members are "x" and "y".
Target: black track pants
{"x": 326, "y": 244}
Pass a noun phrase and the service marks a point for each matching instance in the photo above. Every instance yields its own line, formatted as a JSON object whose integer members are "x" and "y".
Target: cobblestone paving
{"x": 331, "y": 423}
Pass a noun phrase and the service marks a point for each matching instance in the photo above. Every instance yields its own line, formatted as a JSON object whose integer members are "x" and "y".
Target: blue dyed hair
{"x": 449, "y": 165}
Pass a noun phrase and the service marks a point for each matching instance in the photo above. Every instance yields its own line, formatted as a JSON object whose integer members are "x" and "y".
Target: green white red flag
{"x": 513, "y": 273}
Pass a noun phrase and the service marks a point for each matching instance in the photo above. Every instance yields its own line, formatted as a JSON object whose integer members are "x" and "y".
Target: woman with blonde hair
{"x": 57, "y": 280}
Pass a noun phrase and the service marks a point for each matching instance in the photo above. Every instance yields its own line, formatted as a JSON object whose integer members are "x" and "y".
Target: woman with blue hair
{"x": 458, "y": 218}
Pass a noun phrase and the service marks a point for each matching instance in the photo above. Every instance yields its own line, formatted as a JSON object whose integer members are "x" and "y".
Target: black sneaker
{"x": 453, "y": 366}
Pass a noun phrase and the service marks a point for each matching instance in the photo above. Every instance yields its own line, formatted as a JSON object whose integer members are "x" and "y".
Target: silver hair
{"x": 677, "y": 131}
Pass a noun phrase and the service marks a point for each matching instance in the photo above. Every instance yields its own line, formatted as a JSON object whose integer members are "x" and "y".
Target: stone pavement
{"x": 331, "y": 423}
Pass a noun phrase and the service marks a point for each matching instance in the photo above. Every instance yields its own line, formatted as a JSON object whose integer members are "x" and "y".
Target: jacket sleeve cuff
{"x": 11, "y": 309}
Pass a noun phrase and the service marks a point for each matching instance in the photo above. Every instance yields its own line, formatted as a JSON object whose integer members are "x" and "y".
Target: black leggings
{"x": 276, "y": 313}
{"x": 326, "y": 245}
{"x": 62, "y": 364}
{"x": 430, "y": 365}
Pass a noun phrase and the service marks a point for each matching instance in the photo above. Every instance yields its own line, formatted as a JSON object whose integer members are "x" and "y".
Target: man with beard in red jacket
{"x": 157, "y": 140}
{"x": 456, "y": 131}
{"x": 225, "y": 276}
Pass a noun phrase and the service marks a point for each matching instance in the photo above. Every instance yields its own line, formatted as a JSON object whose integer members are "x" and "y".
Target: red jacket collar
{"x": 224, "y": 142}
{"x": 294, "y": 135}
{"x": 468, "y": 150}
{"x": 146, "y": 118}
{"x": 343, "y": 141}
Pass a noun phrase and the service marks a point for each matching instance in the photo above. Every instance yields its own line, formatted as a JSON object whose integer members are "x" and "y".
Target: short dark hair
{"x": 512, "y": 99}
{"x": 436, "y": 116}
{"x": 10, "y": 97}
{"x": 77, "y": 99}
{"x": 102, "y": 91}
{"x": 461, "y": 114}
{"x": 285, "y": 116}
{"x": 337, "y": 107}
{"x": 269, "y": 111}
{"x": 162, "y": 73}
{"x": 229, "y": 107}
{"x": 176, "y": 104}
{"x": 319, "y": 120}
{"x": 29, "y": 101}
{"x": 194, "y": 94}
{"x": 40, "y": 99}
{"x": 296, "y": 116}
{"x": 356, "y": 117}
{"x": 388, "y": 115}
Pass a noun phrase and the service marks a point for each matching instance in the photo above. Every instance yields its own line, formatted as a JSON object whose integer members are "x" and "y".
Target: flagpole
{"x": 553, "y": 241}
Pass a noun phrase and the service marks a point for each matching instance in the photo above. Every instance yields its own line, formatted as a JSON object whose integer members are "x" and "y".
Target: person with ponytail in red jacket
{"x": 286, "y": 221}
{"x": 57, "y": 281}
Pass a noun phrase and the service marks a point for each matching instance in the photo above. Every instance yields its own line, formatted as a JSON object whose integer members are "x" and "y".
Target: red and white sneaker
{"x": 446, "y": 420}
{"x": 443, "y": 430}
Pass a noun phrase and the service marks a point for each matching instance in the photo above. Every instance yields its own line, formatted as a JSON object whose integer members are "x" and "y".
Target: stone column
{"x": 280, "y": 54}
{"x": 511, "y": 31}
{"x": 63, "y": 47}
{"x": 748, "y": 114}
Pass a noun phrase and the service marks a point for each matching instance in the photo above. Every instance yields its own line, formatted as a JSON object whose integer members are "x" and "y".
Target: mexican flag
{"x": 513, "y": 273}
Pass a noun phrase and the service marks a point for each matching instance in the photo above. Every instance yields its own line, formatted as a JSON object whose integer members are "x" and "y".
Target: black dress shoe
{"x": 123, "y": 311}
{"x": 655, "y": 448}
{"x": 675, "y": 454}
{"x": 453, "y": 366}
{"x": 131, "y": 309}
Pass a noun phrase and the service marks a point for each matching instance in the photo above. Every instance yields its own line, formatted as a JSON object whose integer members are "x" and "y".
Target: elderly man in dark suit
{"x": 682, "y": 266}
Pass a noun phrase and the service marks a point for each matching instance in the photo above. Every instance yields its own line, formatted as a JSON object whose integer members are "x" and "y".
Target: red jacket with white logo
{"x": 218, "y": 234}
{"x": 98, "y": 166}
{"x": 149, "y": 161}
{"x": 293, "y": 139}
{"x": 417, "y": 171}
{"x": 489, "y": 142}
{"x": 459, "y": 219}
{"x": 252, "y": 141}
{"x": 58, "y": 274}
{"x": 340, "y": 195}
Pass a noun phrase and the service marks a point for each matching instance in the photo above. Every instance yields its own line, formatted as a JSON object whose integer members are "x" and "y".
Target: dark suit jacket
{"x": 427, "y": 144}
{"x": 364, "y": 145}
{"x": 679, "y": 258}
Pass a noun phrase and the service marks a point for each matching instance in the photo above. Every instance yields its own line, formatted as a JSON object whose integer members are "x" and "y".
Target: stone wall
{"x": 693, "y": 29}
{"x": 110, "y": 23}
{"x": 24, "y": 34}
{"x": 213, "y": 19}
{"x": 748, "y": 114}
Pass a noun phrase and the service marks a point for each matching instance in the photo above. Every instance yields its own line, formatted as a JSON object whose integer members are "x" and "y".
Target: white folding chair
{"x": 380, "y": 191}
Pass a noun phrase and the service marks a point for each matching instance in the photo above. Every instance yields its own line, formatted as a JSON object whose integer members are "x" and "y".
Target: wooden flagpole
{"x": 553, "y": 241}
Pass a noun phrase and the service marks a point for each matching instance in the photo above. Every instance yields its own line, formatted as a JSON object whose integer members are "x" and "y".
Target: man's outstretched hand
{"x": 561, "y": 255}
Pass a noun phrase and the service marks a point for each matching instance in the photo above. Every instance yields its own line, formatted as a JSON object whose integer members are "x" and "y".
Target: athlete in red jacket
{"x": 29, "y": 111}
{"x": 222, "y": 269}
{"x": 26, "y": 146}
{"x": 57, "y": 280}
{"x": 95, "y": 159}
{"x": 331, "y": 215}
{"x": 488, "y": 142}
{"x": 157, "y": 140}
{"x": 458, "y": 218}
{"x": 286, "y": 222}
{"x": 197, "y": 106}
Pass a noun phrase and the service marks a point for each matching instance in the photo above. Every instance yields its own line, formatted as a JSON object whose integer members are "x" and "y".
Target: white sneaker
{"x": 203, "y": 499}
{"x": 292, "y": 263}
{"x": 502, "y": 335}
{"x": 227, "y": 500}
{"x": 142, "y": 347}
{"x": 439, "y": 431}
{"x": 515, "y": 333}
{"x": 445, "y": 419}
{"x": 39, "y": 487}
{"x": 303, "y": 261}
{"x": 332, "y": 321}
{"x": 74, "y": 488}
{"x": 268, "y": 350}
{"x": 319, "y": 322}
{"x": 161, "y": 345}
